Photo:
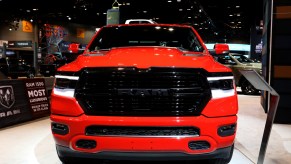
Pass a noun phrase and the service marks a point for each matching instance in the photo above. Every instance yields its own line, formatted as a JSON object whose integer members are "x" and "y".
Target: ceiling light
{"x": 200, "y": 10}
{"x": 127, "y": 4}
{"x": 97, "y": 13}
{"x": 145, "y": 11}
{"x": 237, "y": 6}
{"x": 104, "y": 13}
{"x": 158, "y": 27}
{"x": 34, "y": 9}
{"x": 238, "y": 15}
{"x": 171, "y": 29}
{"x": 230, "y": 15}
{"x": 69, "y": 18}
{"x": 169, "y": 1}
{"x": 31, "y": 20}
{"x": 189, "y": 17}
{"x": 180, "y": 9}
{"x": 178, "y": 0}
{"x": 188, "y": 9}
{"x": 28, "y": 11}
{"x": 238, "y": 22}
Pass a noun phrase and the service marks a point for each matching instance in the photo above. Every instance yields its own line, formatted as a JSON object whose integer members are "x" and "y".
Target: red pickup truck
{"x": 145, "y": 92}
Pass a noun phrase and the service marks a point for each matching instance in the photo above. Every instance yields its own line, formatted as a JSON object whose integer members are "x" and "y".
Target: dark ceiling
{"x": 216, "y": 20}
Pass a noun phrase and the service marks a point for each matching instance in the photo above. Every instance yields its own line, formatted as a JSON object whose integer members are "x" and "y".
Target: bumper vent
{"x": 86, "y": 144}
{"x": 143, "y": 92}
{"x": 141, "y": 131}
{"x": 198, "y": 145}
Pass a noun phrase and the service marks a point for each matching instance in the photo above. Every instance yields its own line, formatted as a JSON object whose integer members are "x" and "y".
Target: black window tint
{"x": 166, "y": 36}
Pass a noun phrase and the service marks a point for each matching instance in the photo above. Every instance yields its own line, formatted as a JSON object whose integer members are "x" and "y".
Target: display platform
{"x": 33, "y": 142}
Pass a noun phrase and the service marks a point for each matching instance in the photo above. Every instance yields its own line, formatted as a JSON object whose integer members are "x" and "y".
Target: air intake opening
{"x": 227, "y": 130}
{"x": 86, "y": 144}
{"x": 198, "y": 145}
{"x": 60, "y": 129}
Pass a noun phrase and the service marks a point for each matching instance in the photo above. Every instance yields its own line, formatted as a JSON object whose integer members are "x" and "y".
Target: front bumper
{"x": 66, "y": 152}
{"x": 208, "y": 132}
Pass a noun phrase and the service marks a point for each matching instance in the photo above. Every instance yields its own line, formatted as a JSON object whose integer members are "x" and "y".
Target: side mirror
{"x": 221, "y": 49}
{"x": 75, "y": 48}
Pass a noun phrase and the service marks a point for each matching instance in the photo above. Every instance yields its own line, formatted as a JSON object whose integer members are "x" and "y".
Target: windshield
{"x": 243, "y": 59}
{"x": 166, "y": 36}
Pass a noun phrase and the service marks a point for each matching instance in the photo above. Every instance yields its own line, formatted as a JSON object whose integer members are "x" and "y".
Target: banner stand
{"x": 259, "y": 83}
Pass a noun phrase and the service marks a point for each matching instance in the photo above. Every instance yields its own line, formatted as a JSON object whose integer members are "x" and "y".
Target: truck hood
{"x": 145, "y": 57}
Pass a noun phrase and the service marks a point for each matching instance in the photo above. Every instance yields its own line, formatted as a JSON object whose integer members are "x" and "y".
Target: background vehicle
{"x": 145, "y": 92}
{"x": 15, "y": 68}
{"x": 140, "y": 21}
{"x": 239, "y": 62}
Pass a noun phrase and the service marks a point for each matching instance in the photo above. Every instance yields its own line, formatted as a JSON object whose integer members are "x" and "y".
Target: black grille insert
{"x": 199, "y": 145}
{"x": 141, "y": 131}
{"x": 143, "y": 92}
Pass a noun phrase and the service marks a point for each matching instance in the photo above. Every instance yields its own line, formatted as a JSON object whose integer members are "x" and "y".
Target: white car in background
{"x": 140, "y": 21}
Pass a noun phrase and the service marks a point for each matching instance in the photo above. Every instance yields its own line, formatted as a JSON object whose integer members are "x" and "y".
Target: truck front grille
{"x": 143, "y": 92}
{"x": 141, "y": 131}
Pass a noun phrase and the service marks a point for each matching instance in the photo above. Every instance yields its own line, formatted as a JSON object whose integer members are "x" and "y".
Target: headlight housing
{"x": 65, "y": 85}
{"x": 221, "y": 86}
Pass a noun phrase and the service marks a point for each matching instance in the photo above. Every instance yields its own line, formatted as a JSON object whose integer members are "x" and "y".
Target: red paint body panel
{"x": 145, "y": 57}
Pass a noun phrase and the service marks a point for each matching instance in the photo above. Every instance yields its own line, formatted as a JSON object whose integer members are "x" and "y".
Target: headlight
{"x": 221, "y": 86}
{"x": 65, "y": 85}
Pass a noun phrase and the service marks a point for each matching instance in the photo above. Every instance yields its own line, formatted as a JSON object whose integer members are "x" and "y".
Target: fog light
{"x": 198, "y": 145}
{"x": 86, "y": 144}
{"x": 60, "y": 129}
{"x": 227, "y": 130}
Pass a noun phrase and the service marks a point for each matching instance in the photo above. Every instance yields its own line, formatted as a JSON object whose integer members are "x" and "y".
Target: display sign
{"x": 27, "y": 26}
{"x": 2, "y": 42}
{"x": 19, "y": 44}
{"x": 113, "y": 16}
{"x": 80, "y": 33}
{"x": 14, "y": 107}
{"x": 259, "y": 83}
{"x": 22, "y": 100}
{"x": 37, "y": 97}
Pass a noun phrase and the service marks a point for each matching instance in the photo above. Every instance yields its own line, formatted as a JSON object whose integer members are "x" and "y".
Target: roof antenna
{"x": 115, "y": 4}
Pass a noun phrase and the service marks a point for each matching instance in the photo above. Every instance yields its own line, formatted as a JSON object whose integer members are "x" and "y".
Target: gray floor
{"x": 32, "y": 143}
